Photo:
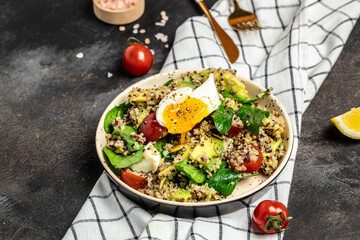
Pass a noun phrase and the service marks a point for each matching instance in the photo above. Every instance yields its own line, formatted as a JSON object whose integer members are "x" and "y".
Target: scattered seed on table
{"x": 165, "y": 18}
{"x": 136, "y": 26}
{"x": 160, "y": 24}
{"x": 109, "y": 74}
{"x": 121, "y": 28}
{"x": 135, "y": 31}
{"x": 80, "y": 55}
{"x": 142, "y": 30}
{"x": 166, "y": 45}
{"x": 147, "y": 41}
{"x": 163, "y": 13}
{"x": 158, "y": 36}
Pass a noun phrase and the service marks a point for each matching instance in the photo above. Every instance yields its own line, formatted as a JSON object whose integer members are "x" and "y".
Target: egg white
{"x": 207, "y": 93}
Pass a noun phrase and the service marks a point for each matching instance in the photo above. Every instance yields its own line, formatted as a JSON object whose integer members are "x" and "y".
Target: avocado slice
{"x": 208, "y": 149}
{"x": 144, "y": 112}
{"x": 186, "y": 83}
{"x": 181, "y": 195}
{"x": 234, "y": 87}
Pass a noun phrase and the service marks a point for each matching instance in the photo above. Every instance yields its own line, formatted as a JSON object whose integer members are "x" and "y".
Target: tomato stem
{"x": 134, "y": 39}
{"x": 275, "y": 222}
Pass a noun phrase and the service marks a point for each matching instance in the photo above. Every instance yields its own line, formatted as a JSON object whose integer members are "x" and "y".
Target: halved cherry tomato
{"x": 151, "y": 129}
{"x": 133, "y": 180}
{"x": 137, "y": 59}
{"x": 252, "y": 167}
{"x": 233, "y": 131}
{"x": 271, "y": 216}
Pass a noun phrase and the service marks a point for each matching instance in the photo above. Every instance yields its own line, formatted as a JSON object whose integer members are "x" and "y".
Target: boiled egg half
{"x": 181, "y": 110}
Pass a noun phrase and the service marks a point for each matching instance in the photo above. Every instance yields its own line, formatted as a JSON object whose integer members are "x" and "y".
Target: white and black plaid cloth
{"x": 294, "y": 54}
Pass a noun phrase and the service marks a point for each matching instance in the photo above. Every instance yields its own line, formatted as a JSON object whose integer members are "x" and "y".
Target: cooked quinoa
{"x": 205, "y": 162}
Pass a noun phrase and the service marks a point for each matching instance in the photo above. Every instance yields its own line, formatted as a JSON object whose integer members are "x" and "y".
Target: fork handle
{"x": 229, "y": 46}
{"x": 236, "y": 5}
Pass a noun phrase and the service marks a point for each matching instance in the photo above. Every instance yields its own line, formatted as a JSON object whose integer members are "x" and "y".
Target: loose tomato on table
{"x": 271, "y": 216}
{"x": 133, "y": 180}
{"x": 252, "y": 167}
{"x": 137, "y": 59}
{"x": 151, "y": 129}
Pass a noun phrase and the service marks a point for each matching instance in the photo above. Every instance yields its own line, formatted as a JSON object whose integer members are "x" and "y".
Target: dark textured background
{"x": 51, "y": 101}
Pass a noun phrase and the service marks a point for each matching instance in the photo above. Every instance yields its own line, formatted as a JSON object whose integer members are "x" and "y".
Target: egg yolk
{"x": 182, "y": 117}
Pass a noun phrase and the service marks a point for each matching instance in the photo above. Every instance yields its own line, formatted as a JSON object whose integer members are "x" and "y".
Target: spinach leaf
{"x": 159, "y": 145}
{"x": 125, "y": 134}
{"x": 225, "y": 180}
{"x": 223, "y": 118}
{"x": 194, "y": 173}
{"x": 122, "y": 161}
{"x": 115, "y": 112}
{"x": 169, "y": 82}
{"x": 252, "y": 117}
{"x": 259, "y": 96}
{"x": 223, "y": 165}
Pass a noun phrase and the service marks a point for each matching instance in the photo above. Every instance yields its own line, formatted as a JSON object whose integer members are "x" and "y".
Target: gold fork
{"x": 243, "y": 20}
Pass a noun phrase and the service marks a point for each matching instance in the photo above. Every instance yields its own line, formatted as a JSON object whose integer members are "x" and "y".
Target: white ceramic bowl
{"x": 244, "y": 188}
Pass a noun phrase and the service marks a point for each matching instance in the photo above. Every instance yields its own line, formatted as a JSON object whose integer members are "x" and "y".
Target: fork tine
{"x": 249, "y": 27}
{"x": 240, "y": 27}
{"x": 253, "y": 25}
{"x": 245, "y": 26}
{"x": 256, "y": 22}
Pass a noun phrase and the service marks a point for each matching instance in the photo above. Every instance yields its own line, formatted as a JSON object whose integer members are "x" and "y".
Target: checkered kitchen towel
{"x": 294, "y": 54}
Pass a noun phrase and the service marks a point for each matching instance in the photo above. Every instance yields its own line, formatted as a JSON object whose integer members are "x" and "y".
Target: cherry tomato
{"x": 151, "y": 129}
{"x": 233, "y": 131}
{"x": 271, "y": 216}
{"x": 252, "y": 167}
{"x": 137, "y": 59}
{"x": 133, "y": 180}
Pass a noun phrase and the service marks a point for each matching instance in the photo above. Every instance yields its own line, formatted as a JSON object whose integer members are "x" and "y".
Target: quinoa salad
{"x": 193, "y": 138}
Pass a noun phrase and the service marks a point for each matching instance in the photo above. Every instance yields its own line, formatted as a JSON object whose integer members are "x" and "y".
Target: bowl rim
{"x": 281, "y": 166}
{"x": 117, "y": 11}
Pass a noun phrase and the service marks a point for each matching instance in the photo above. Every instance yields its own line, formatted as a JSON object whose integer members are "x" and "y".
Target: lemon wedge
{"x": 349, "y": 123}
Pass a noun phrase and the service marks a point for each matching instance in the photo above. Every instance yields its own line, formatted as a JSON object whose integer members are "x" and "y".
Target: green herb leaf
{"x": 194, "y": 173}
{"x": 122, "y": 161}
{"x": 223, "y": 164}
{"x": 115, "y": 112}
{"x": 169, "y": 82}
{"x": 224, "y": 180}
{"x": 252, "y": 117}
{"x": 229, "y": 95}
{"x": 252, "y": 100}
{"x": 159, "y": 145}
{"x": 125, "y": 133}
{"x": 223, "y": 118}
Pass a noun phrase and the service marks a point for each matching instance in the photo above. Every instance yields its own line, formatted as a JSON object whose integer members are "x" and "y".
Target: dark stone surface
{"x": 51, "y": 101}
{"x": 325, "y": 192}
